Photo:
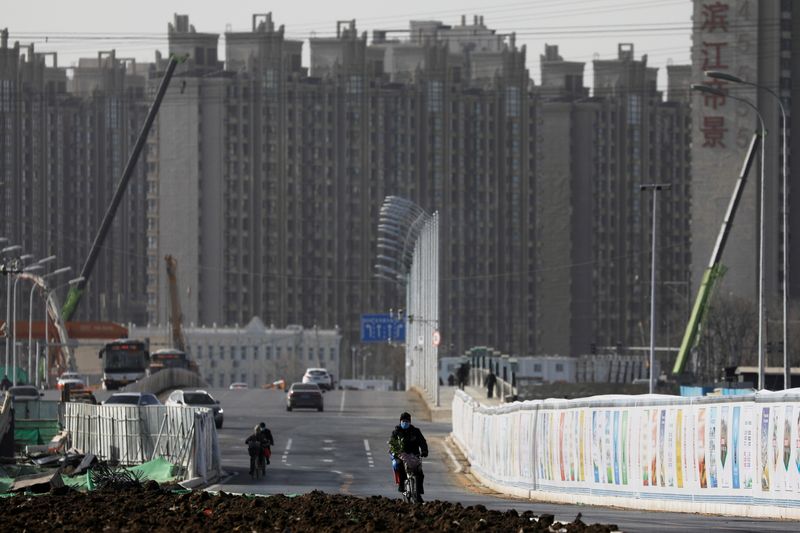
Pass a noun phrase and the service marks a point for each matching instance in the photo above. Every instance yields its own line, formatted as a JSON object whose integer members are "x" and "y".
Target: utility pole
{"x": 655, "y": 187}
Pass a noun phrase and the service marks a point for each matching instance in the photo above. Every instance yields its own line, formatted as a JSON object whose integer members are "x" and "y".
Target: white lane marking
{"x": 341, "y": 404}
{"x": 327, "y": 448}
{"x": 327, "y": 441}
{"x": 327, "y": 460}
{"x": 457, "y": 469}
{"x": 286, "y": 451}
{"x": 370, "y": 461}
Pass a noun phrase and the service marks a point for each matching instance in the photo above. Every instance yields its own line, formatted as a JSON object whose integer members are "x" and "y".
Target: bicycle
{"x": 412, "y": 464}
{"x": 260, "y": 469}
{"x": 261, "y": 466}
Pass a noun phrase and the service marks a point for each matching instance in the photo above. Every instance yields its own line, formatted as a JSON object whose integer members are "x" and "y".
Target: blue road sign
{"x": 382, "y": 328}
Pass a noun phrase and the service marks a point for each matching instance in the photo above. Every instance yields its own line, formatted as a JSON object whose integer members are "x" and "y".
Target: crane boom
{"x": 76, "y": 291}
{"x": 176, "y": 318}
{"x": 715, "y": 269}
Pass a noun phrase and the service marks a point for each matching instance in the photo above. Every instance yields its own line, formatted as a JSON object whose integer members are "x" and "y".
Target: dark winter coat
{"x": 413, "y": 441}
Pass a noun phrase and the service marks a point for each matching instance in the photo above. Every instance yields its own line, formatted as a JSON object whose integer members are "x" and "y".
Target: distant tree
{"x": 729, "y": 337}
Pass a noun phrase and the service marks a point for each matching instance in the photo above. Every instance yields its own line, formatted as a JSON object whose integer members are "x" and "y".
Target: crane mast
{"x": 176, "y": 316}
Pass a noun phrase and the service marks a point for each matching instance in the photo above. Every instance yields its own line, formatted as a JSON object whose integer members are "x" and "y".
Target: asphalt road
{"x": 343, "y": 450}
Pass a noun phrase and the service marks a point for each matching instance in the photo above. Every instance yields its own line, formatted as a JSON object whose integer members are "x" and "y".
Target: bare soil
{"x": 150, "y": 508}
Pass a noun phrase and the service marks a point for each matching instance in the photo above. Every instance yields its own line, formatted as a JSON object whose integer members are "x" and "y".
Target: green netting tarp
{"x": 159, "y": 469}
{"x": 34, "y": 431}
{"x": 22, "y": 376}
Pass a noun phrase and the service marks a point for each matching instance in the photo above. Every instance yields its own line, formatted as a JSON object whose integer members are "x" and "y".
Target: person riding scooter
{"x": 412, "y": 442}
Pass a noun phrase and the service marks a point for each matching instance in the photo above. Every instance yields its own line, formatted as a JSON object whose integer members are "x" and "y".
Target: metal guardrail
{"x": 129, "y": 435}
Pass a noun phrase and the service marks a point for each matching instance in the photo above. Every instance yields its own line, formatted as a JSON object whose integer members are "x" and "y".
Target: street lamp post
{"x": 28, "y": 269}
{"x": 785, "y": 218}
{"x": 655, "y": 187}
{"x": 6, "y": 250}
{"x": 717, "y": 92}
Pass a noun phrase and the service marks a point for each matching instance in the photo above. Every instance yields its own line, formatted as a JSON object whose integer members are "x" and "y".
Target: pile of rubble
{"x": 148, "y": 507}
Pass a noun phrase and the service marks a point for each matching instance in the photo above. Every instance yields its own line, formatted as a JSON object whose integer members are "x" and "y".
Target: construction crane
{"x": 76, "y": 291}
{"x": 715, "y": 269}
{"x": 176, "y": 316}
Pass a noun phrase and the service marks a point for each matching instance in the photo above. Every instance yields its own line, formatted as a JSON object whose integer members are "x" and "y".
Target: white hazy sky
{"x": 583, "y": 29}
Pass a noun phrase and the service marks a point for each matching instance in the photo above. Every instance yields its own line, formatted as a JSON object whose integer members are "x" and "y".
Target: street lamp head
{"x": 33, "y": 268}
{"x": 707, "y": 89}
{"x": 12, "y": 248}
{"x": 77, "y": 280}
{"x": 718, "y": 75}
{"x": 46, "y": 260}
{"x": 63, "y": 270}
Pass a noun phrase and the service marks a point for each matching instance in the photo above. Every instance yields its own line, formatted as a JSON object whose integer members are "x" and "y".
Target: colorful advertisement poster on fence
{"x": 700, "y": 447}
{"x": 615, "y": 449}
{"x": 662, "y": 437}
{"x": 561, "y": 444}
{"x": 724, "y": 464}
{"x": 608, "y": 449}
{"x": 678, "y": 445}
{"x": 748, "y": 447}
{"x": 775, "y": 450}
{"x": 644, "y": 446}
{"x": 787, "y": 447}
{"x": 735, "y": 452}
{"x": 582, "y": 445}
{"x": 625, "y": 447}
{"x": 797, "y": 449}
{"x": 653, "y": 446}
{"x": 713, "y": 431}
{"x": 765, "y": 449}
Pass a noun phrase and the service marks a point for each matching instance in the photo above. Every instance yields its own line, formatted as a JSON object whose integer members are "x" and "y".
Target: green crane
{"x": 715, "y": 269}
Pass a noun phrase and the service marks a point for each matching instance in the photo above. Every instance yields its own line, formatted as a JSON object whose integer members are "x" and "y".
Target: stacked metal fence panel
{"x": 729, "y": 455}
{"x": 130, "y": 435}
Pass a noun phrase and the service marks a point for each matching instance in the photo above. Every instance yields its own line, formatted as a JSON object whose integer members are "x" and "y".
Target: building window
{"x": 537, "y": 367}
{"x": 559, "y": 367}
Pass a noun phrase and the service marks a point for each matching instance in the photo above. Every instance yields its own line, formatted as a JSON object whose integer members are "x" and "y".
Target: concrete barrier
{"x": 732, "y": 456}
{"x": 169, "y": 378}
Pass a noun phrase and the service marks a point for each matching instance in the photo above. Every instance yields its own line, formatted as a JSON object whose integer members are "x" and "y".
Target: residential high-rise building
{"x": 65, "y": 143}
{"x": 267, "y": 178}
{"x": 760, "y": 43}
{"x": 593, "y": 237}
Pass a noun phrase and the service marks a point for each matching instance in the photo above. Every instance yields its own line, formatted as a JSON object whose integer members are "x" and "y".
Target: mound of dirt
{"x": 153, "y": 509}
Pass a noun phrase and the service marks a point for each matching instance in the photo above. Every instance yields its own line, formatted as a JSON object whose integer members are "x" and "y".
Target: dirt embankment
{"x": 150, "y": 508}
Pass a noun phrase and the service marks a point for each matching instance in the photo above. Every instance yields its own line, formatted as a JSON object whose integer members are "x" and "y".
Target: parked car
{"x": 238, "y": 385}
{"x": 25, "y": 392}
{"x": 132, "y": 398}
{"x": 81, "y": 395}
{"x": 320, "y": 376}
{"x": 197, "y": 398}
{"x": 69, "y": 378}
{"x": 307, "y": 395}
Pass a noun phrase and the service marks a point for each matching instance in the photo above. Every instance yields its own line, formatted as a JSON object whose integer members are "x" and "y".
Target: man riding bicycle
{"x": 412, "y": 442}
{"x": 258, "y": 446}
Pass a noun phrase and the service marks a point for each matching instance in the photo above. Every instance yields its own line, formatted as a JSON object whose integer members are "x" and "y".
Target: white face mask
{"x": 405, "y": 424}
